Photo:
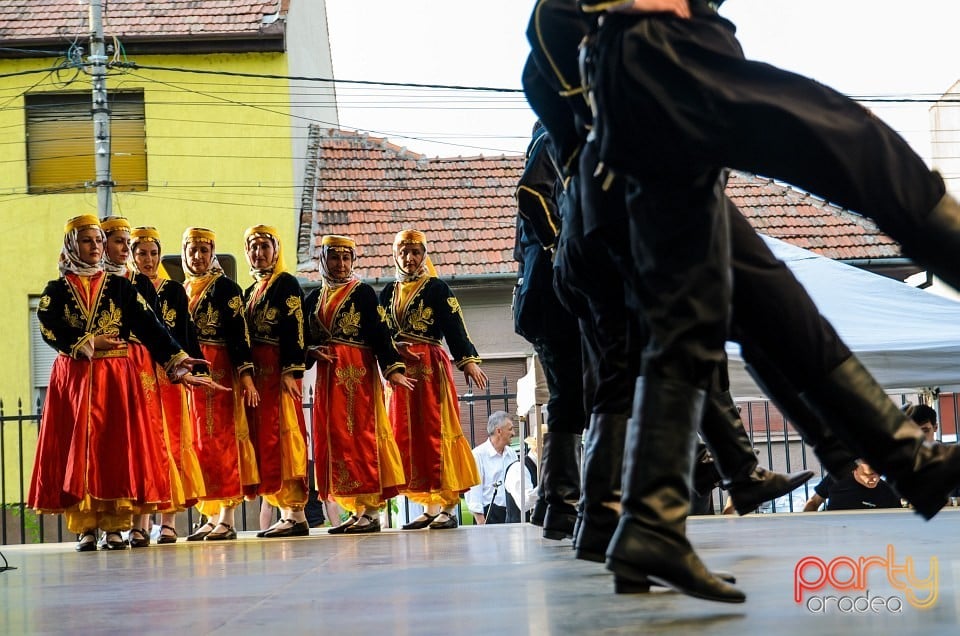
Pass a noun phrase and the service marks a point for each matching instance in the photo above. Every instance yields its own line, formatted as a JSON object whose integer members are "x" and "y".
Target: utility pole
{"x": 100, "y": 110}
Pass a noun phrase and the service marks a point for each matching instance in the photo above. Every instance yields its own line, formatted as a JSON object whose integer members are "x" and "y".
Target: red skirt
{"x": 92, "y": 434}
{"x": 221, "y": 435}
{"x": 354, "y": 452}
{"x": 426, "y": 424}
{"x": 277, "y": 426}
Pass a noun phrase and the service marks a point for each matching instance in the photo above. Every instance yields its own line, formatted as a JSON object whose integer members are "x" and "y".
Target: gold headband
{"x": 198, "y": 235}
{"x": 115, "y": 224}
{"x": 145, "y": 235}
{"x": 406, "y": 237}
{"x": 261, "y": 230}
{"x": 81, "y": 222}
{"x": 336, "y": 242}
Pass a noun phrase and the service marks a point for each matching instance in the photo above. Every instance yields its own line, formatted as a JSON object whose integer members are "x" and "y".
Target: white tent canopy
{"x": 908, "y": 338}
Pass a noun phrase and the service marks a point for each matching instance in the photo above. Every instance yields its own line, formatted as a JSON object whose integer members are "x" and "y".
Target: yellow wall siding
{"x": 209, "y": 139}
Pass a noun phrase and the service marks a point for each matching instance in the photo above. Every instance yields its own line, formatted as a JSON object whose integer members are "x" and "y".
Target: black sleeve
{"x": 292, "y": 345}
{"x": 537, "y": 192}
{"x": 375, "y": 324}
{"x": 228, "y": 300}
{"x": 449, "y": 316}
{"x": 60, "y": 327}
{"x": 174, "y": 311}
{"x": 823, "y": 488}
{"x": 143, "y": 323}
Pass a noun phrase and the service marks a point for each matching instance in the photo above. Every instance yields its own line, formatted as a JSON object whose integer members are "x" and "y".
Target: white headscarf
{"x": 70, "y": 262}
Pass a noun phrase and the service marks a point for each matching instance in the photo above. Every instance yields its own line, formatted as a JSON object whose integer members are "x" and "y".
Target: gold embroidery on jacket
{"x": 384, "y": 316}
{"x": 207, "y": 321}
{"x": 264, "y": 320}
{"x": 295, "y": 310}
{"x": 44, "y": 302}
{"x": 236, "y": 304}
{"x": 108, "y": 322}
{"x": 349, "y": 322}
{"x": 420, "y": 318}
{"x": 168, "y": 315}
{"x": 71, "y": 318}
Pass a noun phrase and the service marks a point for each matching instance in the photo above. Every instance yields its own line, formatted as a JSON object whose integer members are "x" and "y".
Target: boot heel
{"x": 627, "y": 586}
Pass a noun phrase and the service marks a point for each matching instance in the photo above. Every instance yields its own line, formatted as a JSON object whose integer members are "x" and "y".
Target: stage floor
{"x": 489, "y": 580}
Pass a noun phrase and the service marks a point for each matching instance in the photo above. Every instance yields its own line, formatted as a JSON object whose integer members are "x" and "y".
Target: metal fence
{"x": 777, "y": 445}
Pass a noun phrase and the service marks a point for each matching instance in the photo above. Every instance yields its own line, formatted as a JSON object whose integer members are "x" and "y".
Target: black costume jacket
{"x": 432, "y": 314}
{"x": 169, "y": 303}
{"x": 359, "y": 321}
{"x": 219, "y": 320}
{"x": 117, "y": 310}
{"x": 275, "y": 317}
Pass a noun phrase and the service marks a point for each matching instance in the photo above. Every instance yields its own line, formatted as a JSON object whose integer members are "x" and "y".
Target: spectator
{"x": 860, "y": 490}
{"x": 926, "y": 419}
{"x": 488, "y": 500}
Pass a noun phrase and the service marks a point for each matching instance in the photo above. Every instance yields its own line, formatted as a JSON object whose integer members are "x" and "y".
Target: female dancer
{"x": 227, "y": 459}
{"x": 169, "y": 302}
{"x": 437, "y": 460}
{"x": 356, "y": 458}
{"x": 275, "y": 310}
{"x": 153, "y": 457}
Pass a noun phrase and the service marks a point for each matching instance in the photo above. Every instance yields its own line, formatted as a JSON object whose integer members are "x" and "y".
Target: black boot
{"x": 560, "y": 468}
{"x": 599, "y": 507}
{"x": 706, "y": 477}
{"x": 650, "y": 543}
{"x": 748, "y": 483}
{"x": 938, "y": 241}
{"x": 833, "y": 454}
{"x": 869, "y": 422}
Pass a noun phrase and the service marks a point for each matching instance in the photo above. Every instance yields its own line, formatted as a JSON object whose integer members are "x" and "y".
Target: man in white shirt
{"x": 487, "y": 501}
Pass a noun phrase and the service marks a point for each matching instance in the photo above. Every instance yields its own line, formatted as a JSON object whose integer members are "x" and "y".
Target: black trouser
{"x": 495, "y": 514}
{"x": 563, "y": 369}
{"x": 675, "y": 116}
{"x": 588, "y": 284}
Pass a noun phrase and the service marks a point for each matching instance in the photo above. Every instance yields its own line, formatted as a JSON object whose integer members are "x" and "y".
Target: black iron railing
{"x": 777, "y": 445}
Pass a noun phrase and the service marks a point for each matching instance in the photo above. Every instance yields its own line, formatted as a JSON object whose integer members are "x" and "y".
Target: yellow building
{"x": 207, "y": 129}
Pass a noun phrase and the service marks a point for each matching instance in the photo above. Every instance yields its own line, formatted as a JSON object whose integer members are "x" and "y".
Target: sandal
{"x": 201, "y": 532}
{"x": 87, "y": 541}
{"x": 113, "y": 540}
{"x": 139, "y": 542}
{"x": 228, "y": 535}
{"x": 167, "y": 538}
{"x": 342, "y": 528}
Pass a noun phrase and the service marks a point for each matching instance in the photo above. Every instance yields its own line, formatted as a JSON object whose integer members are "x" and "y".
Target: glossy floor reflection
{"x": 488, "y": 580}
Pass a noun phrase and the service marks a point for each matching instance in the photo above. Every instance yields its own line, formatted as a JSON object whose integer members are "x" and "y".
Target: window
{"x": 60, "y": 152}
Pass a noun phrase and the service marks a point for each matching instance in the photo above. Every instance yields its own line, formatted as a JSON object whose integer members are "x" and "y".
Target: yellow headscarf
{"x": 412, "y": 237}
{"x": 269, "y": 232}
{"x": 335, "y": 243}
{"x": 199, "y": 235}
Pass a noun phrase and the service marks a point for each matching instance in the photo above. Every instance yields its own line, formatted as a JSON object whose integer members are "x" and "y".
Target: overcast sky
{"x": 864, "y": 48}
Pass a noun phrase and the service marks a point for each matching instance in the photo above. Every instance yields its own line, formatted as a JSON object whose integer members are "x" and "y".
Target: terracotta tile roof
{"x": 368, "y": 189}
{"x": 803, "y": 220}
{"x": 62, "y": 20}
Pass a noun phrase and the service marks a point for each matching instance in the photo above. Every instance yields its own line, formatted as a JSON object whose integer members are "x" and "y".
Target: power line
{"x": 176, "y": 69}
